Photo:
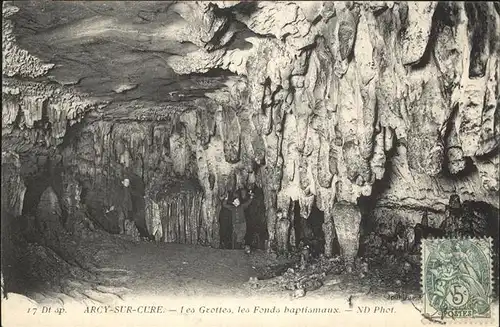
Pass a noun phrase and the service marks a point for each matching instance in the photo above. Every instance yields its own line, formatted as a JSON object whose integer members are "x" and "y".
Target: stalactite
{"x": 10, "y": 110}
{"x": 179, "y": 213}
{"x": 169, "y": 223}
{"x": 187, "y": 212}
{"x": 32, "y": 108}
{"x": 155, "y": 223}
{"x": 325, "y": 103}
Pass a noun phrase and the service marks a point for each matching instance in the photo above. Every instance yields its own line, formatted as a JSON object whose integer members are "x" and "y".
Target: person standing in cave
{"x": 239, "y": 221}
{"x": 125, "y": 205}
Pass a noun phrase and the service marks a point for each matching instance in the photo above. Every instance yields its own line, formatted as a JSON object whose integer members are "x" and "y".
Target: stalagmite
{"x": 347, "y": 222}
{"x": 154, "y": 223}
{"x": 49, "y": 214}
{"x": 329, "y": 230}
{"x": 283, "y": 232}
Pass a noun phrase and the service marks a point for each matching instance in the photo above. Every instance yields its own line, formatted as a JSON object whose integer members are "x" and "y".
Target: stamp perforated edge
{"x": 492, "y": 320}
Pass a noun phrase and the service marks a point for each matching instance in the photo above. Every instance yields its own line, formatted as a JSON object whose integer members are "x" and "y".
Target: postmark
{"x": 457, "y": 278}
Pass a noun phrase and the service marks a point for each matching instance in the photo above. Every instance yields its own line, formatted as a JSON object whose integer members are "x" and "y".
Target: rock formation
{"x": 322, "y": 103}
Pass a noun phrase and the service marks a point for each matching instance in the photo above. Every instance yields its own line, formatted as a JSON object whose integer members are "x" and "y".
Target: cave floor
{"x": 127, "y": 269}
{"x": 172, "y": 270}
{"x": 174, "y": 275}
{"x": 180, "y": 270}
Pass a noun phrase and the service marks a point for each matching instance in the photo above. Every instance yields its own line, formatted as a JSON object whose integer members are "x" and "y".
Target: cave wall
{"x": 157, "y": 158}
{"x": 331, "y": 95}
{"x": 13, "y": 188}
{"x": 327, "y": 100}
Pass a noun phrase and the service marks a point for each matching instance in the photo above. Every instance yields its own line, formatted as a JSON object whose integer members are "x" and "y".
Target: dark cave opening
{"x": 137, "y": 193}
{"x": 104, "y": 208}
{"x": 225, "y": 228}
{"x": 309, "y": 231}
{"x": 255, "y": 215}
{"x": 34, "y": 189}
{"x": 39, "y": 176}
{"x": 35, "y": 243}
{"x": 477, "y": 14}
{"x": 98, "y": 211}
{"x": 257, "y": 233}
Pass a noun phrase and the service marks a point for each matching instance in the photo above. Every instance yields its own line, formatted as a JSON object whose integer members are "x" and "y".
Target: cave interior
{"x": 349, "y": 125}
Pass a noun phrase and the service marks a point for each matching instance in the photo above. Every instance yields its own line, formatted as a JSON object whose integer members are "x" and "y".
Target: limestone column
{"x": 291, "y": 217}
{"x": 282, "y": 232}
{"x": 347, "y": 222}
{"x": 328, "y": 230}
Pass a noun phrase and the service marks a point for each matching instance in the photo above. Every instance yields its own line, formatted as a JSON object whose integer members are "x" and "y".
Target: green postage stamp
{"x": 457, "y": 278}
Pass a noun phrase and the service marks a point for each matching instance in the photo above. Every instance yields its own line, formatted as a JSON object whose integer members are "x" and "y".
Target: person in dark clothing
{"x": 238, "y": 221}
{"x": 124, "y": 205}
